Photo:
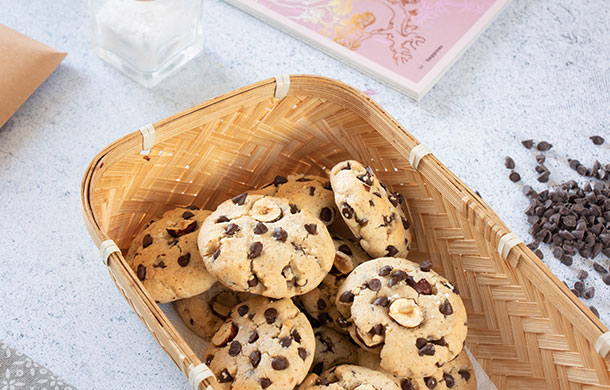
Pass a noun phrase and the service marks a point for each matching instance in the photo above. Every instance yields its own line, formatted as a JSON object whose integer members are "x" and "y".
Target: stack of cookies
{"x": 305, "y": 283}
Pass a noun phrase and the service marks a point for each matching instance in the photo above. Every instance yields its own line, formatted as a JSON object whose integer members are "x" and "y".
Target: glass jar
{"x": 146, "y": 39}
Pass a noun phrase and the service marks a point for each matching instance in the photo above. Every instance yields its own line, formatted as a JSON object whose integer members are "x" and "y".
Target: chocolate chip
{"x": 311, "y": 228}
{"x": 579, "y": 286}
{"x": 428, "y": 350}
{"x": 255, "y": 358}
{"x": 312, "y": 191}
{"x": 192, "y": 207}
{"x": 597, "y": 140}
{"x": 296, "y": 336}
{"x": 184, "y": 260}
{"x": 187, "y": 215}
{"x": 420, "y": 342}
{"x": 280, "y": 363}
{"x": 345, "y": 249}
{"x": 240, "y": 199}
{"x": 449, "y": 381}
{"x": 425, "y": 266}
{"x": 256, "y": 248}
{"x": 327, "y": 186}
{"x": 377, "y": 330}
{"x": 465, "y": 374}
{"x": 377, "y": 194}
{"x": 422, "y": 286}
{"x": 321, "y": 304}
{"x": 253, "y": 337}
{"x": 303, "y": 179}
{"x": 285, "y": 342}
{"x": 342, "y": 322}
{"x": 222, "y": 218}
{"x": 367, "y": 177}
{"x": 543, "y": 146}
{"x": 260, "y": 228}
{"x": 322, "y": 382}
{"x": 216, "y": 254}
{"x": 279, "y": 180}
{"x": 147, "y": 241}
{"x": 540, "y": 158}
{"x": 509, "y": 162}
{"x": 544, "y": 177}
{"x": 293, "y": 208}
{"x": 538, "y": 253}
{"x": 141, "y": 272}
{"x": 265, "y": 382}
{"x": 373, "y": 284}
{"x": 382, "y": 301}
{"x": 161, "y": 264}
{"x": 253, "y": 281}
{"x": 606, "y": 278}
{"x": 326, "y": 214}
{"x": 528, "y": 143}
{"x": 208, "y": 359}
{"x": 406, "y": 384}
{"x": 385, "y": 270}
{"x": 582, "y": 274}
{"x": 302, "y": 353}
{"x": 430, "y": 382}
{"x": 371, "y": 203}
{"x": 594, "y": 311}
{"x": 346, "y": 297}
{"x": 392, "y": 251}
{"x": 362, "y": 221}
{"x": 224, "y": 376}
{"x": 231, "y": 229}
{"x": 514, "y": 176}
{"x": 589, "y": 293}
{"x": 280, "y": 234}
{"x": 191, "y": 227}
{"x": 347, "y": 211}
{"x": 243, "y": 310}
{"x": 446, "y": 308}
{"x": 234, "y": 348}
{"x": 271, "y": 315}
{"x": 599, "y": 268}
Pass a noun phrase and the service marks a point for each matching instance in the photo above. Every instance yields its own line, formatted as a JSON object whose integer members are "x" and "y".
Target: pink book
{"x": 408, "y": 44}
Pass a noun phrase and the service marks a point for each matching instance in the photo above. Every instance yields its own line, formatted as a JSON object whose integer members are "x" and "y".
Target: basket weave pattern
{"x": 525, "y": 327}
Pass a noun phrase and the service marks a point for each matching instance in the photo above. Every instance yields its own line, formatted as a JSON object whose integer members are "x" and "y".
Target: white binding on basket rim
{"x": 602, "y": 345}
{"x": 508, "y": 242}
{"x": 106, "y": 249}
{"x": 417, "y": 153}
{"x": 282, "y": 83}
{"x": 148, "y": 138}
{"x": 198, "y": 374}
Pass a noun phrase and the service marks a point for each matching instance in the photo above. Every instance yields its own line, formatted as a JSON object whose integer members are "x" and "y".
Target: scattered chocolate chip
{"x": 293, "y": 208}
{"x": 544, "y": 177}
{"x": 326, "y": 214}
{"x": 224, "y": 376}
{"x": 234, "y": 348}
{"x": 446, "y": 308}
{"x": 260, "y": 228}
{"x": 240, "y": 199}
{"x": 216, "y": 254}
{"x": 371, "y": 203}
{"x": 606, "y": 278}
{"x": 392, "y": 251}
{"x": 345, "y": 249}
{"x": 594, "y": 311}
{"x": 253, "y": 281}
{"x": 141, "y": 272}
{"x": 256, "y": 248}
{"x": 538, "y": 253}
{"x": 425, "y": 266}
{"x": 208, "y": 359}
{"x": 373, "y": 284}
{"x": 311, "y": 228}
{"x": 285, "y": 342}
{"x": 231, "y": 229}
{"x": 253, "y": 337}
{"x": 422, "y": 286}
{"x": 362, "y": 221}
{"x": 280, "y": 234}
{"x": 346, "y": 297}
{"x": 279, "y": 363}
{"x": 187, "y": 215}
{"x": 147, "y": 241}
{"x": 302, "y": 353}
{"x": 184, "y": 260}
{"x": 347, "y": 211}
{"x": 449, "y": 381}
{"x": 255, "y": 358}
{"x": 430, "y": 382}
{"x": 465, "y": 374}
{"x": 420, "y": 342}
{"x": 265, "y": 382}
{"x": 428, "y": 350}
{"x": 296, "y": 336}
{"x": 589, "y": 293}
{"x": 312, "y": 191}
{"x": 222, "y": 218}
{"x": 271, "y": 315}
{"x": 543, "y": 146}
{"x": 385, "y": 270}
{"x": 509, "y": 163}
{"x": 377, "y": 330}
{"x": 599, "y": 268}
{"x": 174, "y": 232}
{"x": 540, "y": 158}
{"x": 327, "y": 186}
{"x": 597, "y": 140}
{"x": 514, "y": 176}
{"x": 406, "y": 384}
{"x": 582, "y": 274}
{"x": 528, "y": 143}
{"x": 382, "y": 301}
{"x": 161, "y": 264}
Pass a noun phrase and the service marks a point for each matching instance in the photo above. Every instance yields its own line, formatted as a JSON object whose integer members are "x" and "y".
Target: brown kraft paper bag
{"x": 24, "y": 65}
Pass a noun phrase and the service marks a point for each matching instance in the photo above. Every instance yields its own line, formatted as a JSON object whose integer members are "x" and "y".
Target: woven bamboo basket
{"x": 526, "y": 328}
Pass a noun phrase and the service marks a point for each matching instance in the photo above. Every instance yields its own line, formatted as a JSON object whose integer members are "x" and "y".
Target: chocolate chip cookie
{"x": 264, "y": 344}
{"x": 320, "y": 302}
{"x": 309, "y": 192}
{"x": 265, "y": 245}
{"x": 406, "y": 312}
{"x": 370, "y": 210}
{"x": 332, "y": 348}
{"x": 205, "y": 313}
{"x": 349, "y": 377}
{"x": 165, "y": 257}
{"x": 457, "y": 374}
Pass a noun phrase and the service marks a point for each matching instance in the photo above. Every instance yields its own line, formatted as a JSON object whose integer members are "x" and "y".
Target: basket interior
{"x": 517, "y": 335}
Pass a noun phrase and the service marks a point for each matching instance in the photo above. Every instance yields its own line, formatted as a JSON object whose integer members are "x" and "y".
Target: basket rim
{"x": 590, "y": 325}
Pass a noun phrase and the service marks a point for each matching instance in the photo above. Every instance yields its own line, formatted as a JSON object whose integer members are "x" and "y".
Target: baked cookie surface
{"x": 332, "y": 348}
{"x": 406, "y": 313}
{"x": 349, "y": 377}
{"x": 165, "y": 257}
{"x": 265, "y": 344}
{"x": 263, "y": 245}
{"x": 371, "y": 212}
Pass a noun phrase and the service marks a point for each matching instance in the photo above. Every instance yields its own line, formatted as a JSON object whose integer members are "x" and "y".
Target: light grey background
{"x": 541, "y": 71}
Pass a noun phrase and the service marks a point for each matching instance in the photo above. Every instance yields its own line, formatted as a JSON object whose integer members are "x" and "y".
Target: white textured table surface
{"x": 541, "y": 71}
